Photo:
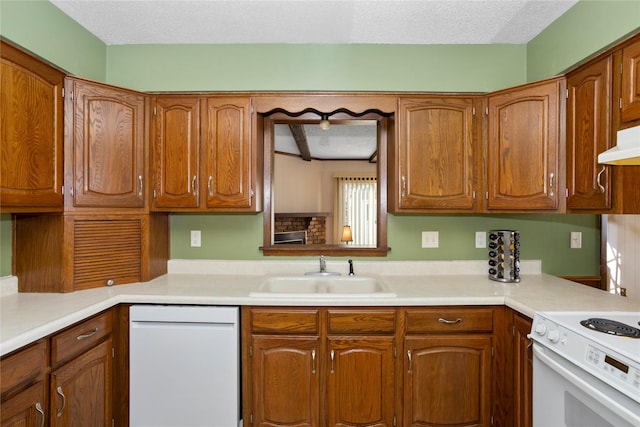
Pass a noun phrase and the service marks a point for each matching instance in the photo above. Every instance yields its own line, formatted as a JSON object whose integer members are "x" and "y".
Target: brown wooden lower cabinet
{"x": 62, "y": 380}
{"x": 26, "y": 408}
{"x": 448, "y": 381}
{"x": 373, "y": 366}
{"x": 522, "y": 371}
{"x": 81, "y": 390}
{"x": 291, "y": 399}
{"x": 360, "y": 382}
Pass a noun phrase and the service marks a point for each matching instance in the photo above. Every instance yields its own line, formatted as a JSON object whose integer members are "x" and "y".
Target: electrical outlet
{"x": 196, "y": 241}
{"x": 429, "y": 239}
{"x": 576, "y": 239}
{"x": 481, "y": 239}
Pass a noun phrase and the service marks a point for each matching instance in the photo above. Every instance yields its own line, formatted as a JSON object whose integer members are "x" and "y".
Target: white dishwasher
{"x": 184, "y": 366}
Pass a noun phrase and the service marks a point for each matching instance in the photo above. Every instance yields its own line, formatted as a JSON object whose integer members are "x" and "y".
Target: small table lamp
{"x": 346, "y": 234}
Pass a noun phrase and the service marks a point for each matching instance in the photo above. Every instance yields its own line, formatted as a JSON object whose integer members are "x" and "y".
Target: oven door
{"x": 566, "y": 396}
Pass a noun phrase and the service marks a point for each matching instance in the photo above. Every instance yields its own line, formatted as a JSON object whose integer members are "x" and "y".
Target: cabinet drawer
{"x": 361, "y": 321}
{"x": 285, "y": 321}
{"x": 449, "y": 320}
{"x": 22, "y": 368}
{"x": 79, "y": 338}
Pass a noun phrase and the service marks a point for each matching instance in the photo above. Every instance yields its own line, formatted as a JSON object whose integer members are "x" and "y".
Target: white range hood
{"x": 627, "y": 152}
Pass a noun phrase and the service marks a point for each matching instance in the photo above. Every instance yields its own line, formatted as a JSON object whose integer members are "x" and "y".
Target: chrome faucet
{"x": 323, "y": 270}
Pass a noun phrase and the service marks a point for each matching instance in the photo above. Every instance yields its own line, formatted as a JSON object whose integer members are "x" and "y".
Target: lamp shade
{"x": 346, "y": 234}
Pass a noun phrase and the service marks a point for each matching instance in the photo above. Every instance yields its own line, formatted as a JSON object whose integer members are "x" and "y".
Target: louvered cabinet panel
{"x": 106, "y": 252}
{"x": 64, "y": 253}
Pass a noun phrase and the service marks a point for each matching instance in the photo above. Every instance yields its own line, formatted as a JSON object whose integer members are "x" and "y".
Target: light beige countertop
{"x": 26, "y": 317}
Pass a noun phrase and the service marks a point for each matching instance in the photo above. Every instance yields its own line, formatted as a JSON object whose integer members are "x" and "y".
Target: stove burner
{"x": 611, "y": 327}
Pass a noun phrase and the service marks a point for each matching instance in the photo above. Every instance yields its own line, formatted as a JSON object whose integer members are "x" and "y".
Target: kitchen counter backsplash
{"x": 361, "y": 268}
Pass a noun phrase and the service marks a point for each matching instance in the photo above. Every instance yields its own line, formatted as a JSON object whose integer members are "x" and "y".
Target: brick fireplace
{"x": 314, "y": 224}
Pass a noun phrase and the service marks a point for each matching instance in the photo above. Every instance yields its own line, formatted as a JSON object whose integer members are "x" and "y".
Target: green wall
{"x": 40, "y": 27}
{"x": 588, "y": 27}
{"x": 544, "y": 237}
{"x": 461, "y": 68}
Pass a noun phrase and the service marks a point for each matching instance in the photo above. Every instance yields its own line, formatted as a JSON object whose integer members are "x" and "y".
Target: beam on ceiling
{"x": 300, "y": 136}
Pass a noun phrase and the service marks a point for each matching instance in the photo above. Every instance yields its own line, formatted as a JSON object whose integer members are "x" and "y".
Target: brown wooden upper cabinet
{"x": 589, "y": 102}
{"x": 203, "y": 157}
{"x": 32, "y": 133}
{"x": 175, "y": 157}
{"x": 229, "y": 156}
{"x": 526, "y": 148}
{"x": 629, "y": 102}
{"x": 437, "y": 156}
{"x": 104, "y": 146}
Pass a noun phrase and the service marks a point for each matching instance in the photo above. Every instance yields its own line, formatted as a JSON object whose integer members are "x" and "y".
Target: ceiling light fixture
{"x": 324, "y": 123}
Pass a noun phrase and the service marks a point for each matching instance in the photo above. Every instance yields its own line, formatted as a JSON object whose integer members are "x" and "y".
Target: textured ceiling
{"x": 314, "y": 21}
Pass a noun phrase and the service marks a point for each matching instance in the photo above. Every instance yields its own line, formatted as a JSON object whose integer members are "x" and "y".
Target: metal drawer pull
{"x": 140, "y": 183}
{"x": 450, "y": 322}
{"x": 600, "y": 186}
{"x": 529, "y": 353}
{"x": 332, "y": 357}
{"x": 41, "y": 412}
{"x": 87, "y": 335}
{"x": 64, "y": 401}
{"x": 410, "y": 361}
{"x": 551, "y": 176}
{"x": 313, "y": 361}
{"x": 210, "y": 185}
{"x": 193, "y": 185}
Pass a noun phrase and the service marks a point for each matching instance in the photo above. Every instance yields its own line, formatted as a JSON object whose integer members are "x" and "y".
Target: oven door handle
{"x": 623, "y": 412}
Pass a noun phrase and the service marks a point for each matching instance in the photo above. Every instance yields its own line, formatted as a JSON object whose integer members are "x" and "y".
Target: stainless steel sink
{"x": 323, "y": 287}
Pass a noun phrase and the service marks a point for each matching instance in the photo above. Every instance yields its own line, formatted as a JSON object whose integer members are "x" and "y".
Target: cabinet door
{"x": 176, "y": 155}
{"x": 108, "y": 146}
{"x": 285, "y": 381}
{"x": 27, "y": 408}
{"x": 227, "y": 153}
{"x": 360, "y": 385}
{"x": 31, "y": 133}
{"x": 523, "y": 373}
{"x": 436, "y": 155}
{"x": 447, "y": 381}
{"x": 630, "y": 96}
{"x": 81, "y": 390}
{"x": 589, "y": 134}
{"x": 523, "y": 164}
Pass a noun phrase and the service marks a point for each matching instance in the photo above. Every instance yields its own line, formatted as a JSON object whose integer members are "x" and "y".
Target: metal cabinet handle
{"x": 551, "y": 176}
{"x": 313, "y": 361}
{"x": 410, "y": 360}
{"x": 332, "y": 358}
{"x": 140, "y": 185}
{"x": 64, "y": 401}
{"x": 193, "y": 185}
{"x": 450, "y": 322}
{"x": 41, "y": 412}
{"x": 529, "y": 353}
{"x": 600, "y": 186}
{"x": 210, "y": 185}
{"x": 87, "y": 335}
{"x": 404, "y": 186}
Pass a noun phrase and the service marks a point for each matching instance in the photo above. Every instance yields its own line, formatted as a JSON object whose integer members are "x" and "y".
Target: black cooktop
{"x": 612, "y": 327}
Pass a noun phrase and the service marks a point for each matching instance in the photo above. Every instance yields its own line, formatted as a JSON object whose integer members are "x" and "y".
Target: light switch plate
{"x": 481, "y": 239}
{"x": 429, "y": 239}
{"x": 576, "y": 239}
{"x": 196, "y": 241}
